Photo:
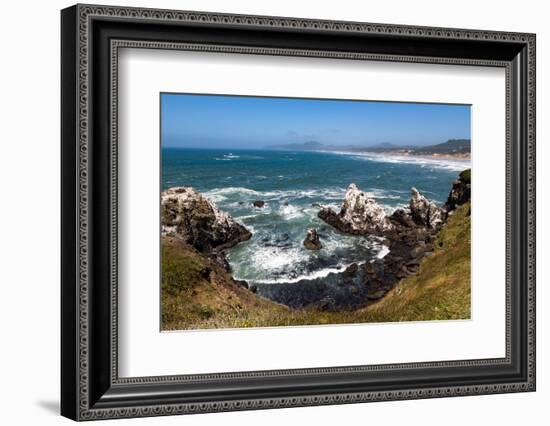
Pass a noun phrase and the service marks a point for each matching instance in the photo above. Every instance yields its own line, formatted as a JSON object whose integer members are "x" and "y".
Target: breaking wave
{"x": 438, "y": 163}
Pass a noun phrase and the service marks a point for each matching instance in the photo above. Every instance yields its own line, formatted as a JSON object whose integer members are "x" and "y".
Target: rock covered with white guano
{"x": 360, "y": 214}
{"x": 191, "y": 217}
{"x": 424, "y": 212}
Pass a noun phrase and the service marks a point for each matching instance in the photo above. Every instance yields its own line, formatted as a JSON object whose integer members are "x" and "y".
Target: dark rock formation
{"x": 337, "y": 291}
{"x": 403, "y": 218}
{"x": 258, "y": 203}
{"x": 460, "y": 192}
{"x": 351, "y": 270}
{"x": 220, "y": 258}
{"x": 191, "y": 217}
{"x": 242, "y": 283}
{"x": 360, "y": 214}
{"x": 312, "y": 242}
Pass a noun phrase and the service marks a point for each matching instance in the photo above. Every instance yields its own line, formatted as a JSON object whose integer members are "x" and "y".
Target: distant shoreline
{"x": 458, "y": 158}
{"x": 462, "y": 156}
{"x": 459, "y": 149}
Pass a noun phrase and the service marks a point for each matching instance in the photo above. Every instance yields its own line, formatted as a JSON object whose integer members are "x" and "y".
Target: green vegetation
{"x": 466, "y": 176}
{"x": 441, "y": 288}
{"x": 198, "y": 293}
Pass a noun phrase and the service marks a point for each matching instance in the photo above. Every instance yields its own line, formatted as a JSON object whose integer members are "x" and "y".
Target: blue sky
{"x": 212, "y": 121}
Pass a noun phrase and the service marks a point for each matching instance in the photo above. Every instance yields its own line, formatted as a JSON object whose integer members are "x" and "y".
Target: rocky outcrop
{"x": 360, "y": 214}
{"x": 424, "y": 212}
{"x": 312, "y": 241}
{"x": 460, "y": 192}
{"x": 402, "y": 218}
{"x": 192, "y": 218}
{"x": 409, "y": 233}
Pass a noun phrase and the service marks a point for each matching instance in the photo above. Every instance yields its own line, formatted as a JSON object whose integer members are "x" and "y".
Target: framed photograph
{"x": 263, "y": 212}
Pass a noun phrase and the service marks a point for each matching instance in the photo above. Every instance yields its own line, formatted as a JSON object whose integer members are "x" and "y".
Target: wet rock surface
{"x": 336, "y": 291}
{"x": 312, "y": 241}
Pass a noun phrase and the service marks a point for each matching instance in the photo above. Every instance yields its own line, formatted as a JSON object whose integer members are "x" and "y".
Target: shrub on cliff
{"x": 466, "y": 176}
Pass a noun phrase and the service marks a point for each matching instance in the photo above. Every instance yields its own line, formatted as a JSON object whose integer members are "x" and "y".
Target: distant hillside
{"x": 306, "y": 146}
{"x": 314, "y": 146}
{"x": 385, "y": 145}
{"x": 452, "y": 146}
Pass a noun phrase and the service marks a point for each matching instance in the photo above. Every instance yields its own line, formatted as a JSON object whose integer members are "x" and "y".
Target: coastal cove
{"x": 278, "y": 196}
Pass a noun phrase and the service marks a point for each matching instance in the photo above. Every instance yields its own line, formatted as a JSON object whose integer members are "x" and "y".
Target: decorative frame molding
{"x": 91, "y": 388}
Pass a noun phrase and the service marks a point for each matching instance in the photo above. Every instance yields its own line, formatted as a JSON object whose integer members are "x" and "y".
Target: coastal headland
{"x": 423, "y": 272}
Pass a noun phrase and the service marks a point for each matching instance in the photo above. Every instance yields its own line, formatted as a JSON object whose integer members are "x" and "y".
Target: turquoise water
{"x": 293, "y": 184}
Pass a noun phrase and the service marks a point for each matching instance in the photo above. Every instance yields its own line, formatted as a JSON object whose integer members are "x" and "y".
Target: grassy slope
{"x": 197, "y": 293}
{"x": 441, "y": 288}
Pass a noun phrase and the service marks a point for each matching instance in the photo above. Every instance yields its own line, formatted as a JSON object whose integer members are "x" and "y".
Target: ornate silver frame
{"x": 91, "y": 388}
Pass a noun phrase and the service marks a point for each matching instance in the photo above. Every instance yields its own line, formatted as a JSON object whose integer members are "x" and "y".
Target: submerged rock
{"x": 258, "y": 203}
{"x": 424, "y": 212}
{"x": 312, "y": 241}
{"x": 359, "y": 214}
{"x": 352, "y": 270}
{"x": 191, "y": 217}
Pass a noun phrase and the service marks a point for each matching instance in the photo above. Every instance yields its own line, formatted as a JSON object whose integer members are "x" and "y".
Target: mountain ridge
{"x": 453, "y": 147}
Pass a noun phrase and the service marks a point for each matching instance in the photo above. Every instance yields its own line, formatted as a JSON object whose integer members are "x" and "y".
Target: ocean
{"x": 293, "y": 185}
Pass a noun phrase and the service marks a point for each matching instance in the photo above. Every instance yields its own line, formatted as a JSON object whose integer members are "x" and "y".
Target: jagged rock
{"x": 312, "y": 241}
{"x": 460, "y": 192}
{"x": 352, "y": 270}
{"x": 242, "y": 283}
{"x": 359, "y": 214}
{"x": 403, "y": 218}
{"x": 424, "y": 212}
{"x": 191, "y": 217}
{"x": 258, "y": 203}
